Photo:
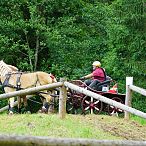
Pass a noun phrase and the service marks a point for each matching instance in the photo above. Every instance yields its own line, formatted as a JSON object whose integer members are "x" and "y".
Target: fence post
{"x": 128, "y": 99}
{"x": 62, "y": 100}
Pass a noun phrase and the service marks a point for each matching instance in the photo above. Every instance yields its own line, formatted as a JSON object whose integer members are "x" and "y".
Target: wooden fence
{"x": 129, "y": 88}
{"x": 15, "y": 140}
{"x": 63, "y": 95}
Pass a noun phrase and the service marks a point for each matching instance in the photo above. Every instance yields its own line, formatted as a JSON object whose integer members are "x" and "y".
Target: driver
{"x": 98, "y": 75}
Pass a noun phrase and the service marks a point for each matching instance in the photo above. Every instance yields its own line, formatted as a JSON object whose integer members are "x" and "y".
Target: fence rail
{"x": 138, "y": 89}
{"x": 129, "y": 88}
{"x": 15, "y": 140}
{"x": 30, "y": 91}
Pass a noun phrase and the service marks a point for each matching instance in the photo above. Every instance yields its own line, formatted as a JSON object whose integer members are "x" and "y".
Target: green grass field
{"x": 139, "y": 119}
{"x": 52, "y": 126}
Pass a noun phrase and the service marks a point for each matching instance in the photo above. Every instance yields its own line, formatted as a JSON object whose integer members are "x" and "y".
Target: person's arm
{"x": 88, "y": 76}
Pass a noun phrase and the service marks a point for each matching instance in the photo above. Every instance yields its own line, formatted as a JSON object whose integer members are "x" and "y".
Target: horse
{"x": 5, "y": 70}
{"x": 14, "y": 80}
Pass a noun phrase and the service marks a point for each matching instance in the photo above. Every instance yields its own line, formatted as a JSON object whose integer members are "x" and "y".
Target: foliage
{"x": 64, "y": 37}
{"x": 126, "y": 40}
{"x": 127, "y": 43}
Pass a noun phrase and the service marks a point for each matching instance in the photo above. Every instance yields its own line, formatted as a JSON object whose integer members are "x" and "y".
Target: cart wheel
{"x": 73, "y": 105}
{"x": 114, "y": 110}
{"x": 91, "y": 105}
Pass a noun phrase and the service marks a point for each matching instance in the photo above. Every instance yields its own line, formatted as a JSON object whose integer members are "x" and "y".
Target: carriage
{"x": 80, "y": 103}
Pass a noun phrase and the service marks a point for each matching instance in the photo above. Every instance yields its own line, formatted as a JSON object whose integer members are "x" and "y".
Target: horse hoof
{"x": 43, "y": 110}
{"x": 11, "y": 113}
{"x": 27, "y": 112}
{"x": 40, "y": 111}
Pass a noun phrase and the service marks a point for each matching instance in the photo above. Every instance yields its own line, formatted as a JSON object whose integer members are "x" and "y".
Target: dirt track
{"x": 127, "y": 129}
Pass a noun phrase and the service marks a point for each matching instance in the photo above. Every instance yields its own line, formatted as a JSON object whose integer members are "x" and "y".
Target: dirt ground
{"x": 127, "y": 129}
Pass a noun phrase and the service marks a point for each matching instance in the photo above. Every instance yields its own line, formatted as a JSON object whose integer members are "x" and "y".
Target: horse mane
{"x": 13, "y": 67}
{"x": 5, "y": 68}
{"x": 10, "y": 69}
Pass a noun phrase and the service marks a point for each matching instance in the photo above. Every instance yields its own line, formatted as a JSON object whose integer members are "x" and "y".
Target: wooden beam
{"x": 138, "y": 89}
{"x": 128, "y": 99}
{"x": 15, "y": 140}
{"x": 62, "y": 100}
{"x": 7, "y": 107}
{"x": 4, "y": 108}
{"x": 105, "y": 100}
{"x": 31, "y": 91}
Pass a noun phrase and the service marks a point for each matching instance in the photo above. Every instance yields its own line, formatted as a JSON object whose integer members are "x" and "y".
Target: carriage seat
{"x": 99, "y": 86}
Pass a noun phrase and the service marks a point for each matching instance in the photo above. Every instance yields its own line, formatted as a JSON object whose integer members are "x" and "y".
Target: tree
{"x": 64, "y": 37}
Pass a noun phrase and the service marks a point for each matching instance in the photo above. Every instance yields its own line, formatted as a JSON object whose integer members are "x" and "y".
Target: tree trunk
{"x": 29, "y": 51}
{"x": 36, "y": 53}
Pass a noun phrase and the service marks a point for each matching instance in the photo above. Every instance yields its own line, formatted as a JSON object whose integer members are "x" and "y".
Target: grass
{"x": 140, "y": 120}
{"x": 51, "y": 126}
{"x": 101, "y": 127}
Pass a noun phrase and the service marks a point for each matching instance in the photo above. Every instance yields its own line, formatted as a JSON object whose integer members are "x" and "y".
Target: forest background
{"x": 64, "y": 37}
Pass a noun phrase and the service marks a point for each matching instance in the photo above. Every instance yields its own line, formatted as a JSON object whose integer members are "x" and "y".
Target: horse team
{"x": 14, "y": 80}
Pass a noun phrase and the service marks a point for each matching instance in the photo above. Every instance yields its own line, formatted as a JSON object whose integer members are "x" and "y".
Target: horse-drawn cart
{"x": 80, "y": 103}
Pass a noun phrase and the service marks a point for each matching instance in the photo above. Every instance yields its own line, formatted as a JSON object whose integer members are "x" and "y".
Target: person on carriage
{"x": 98, "y": 75}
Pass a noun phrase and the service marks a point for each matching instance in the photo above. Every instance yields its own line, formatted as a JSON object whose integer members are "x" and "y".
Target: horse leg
{"x": 19, "y": 104}
{"x": 27, "y": 109}
{"x": 51, "y": 107}
{"x": 47, "y": 105}
{"x": 11, "y": 105}
{"x": 50, "y": 100}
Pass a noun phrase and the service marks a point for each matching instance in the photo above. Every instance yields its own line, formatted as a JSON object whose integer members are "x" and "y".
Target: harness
{"x": 18, "y": 83}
